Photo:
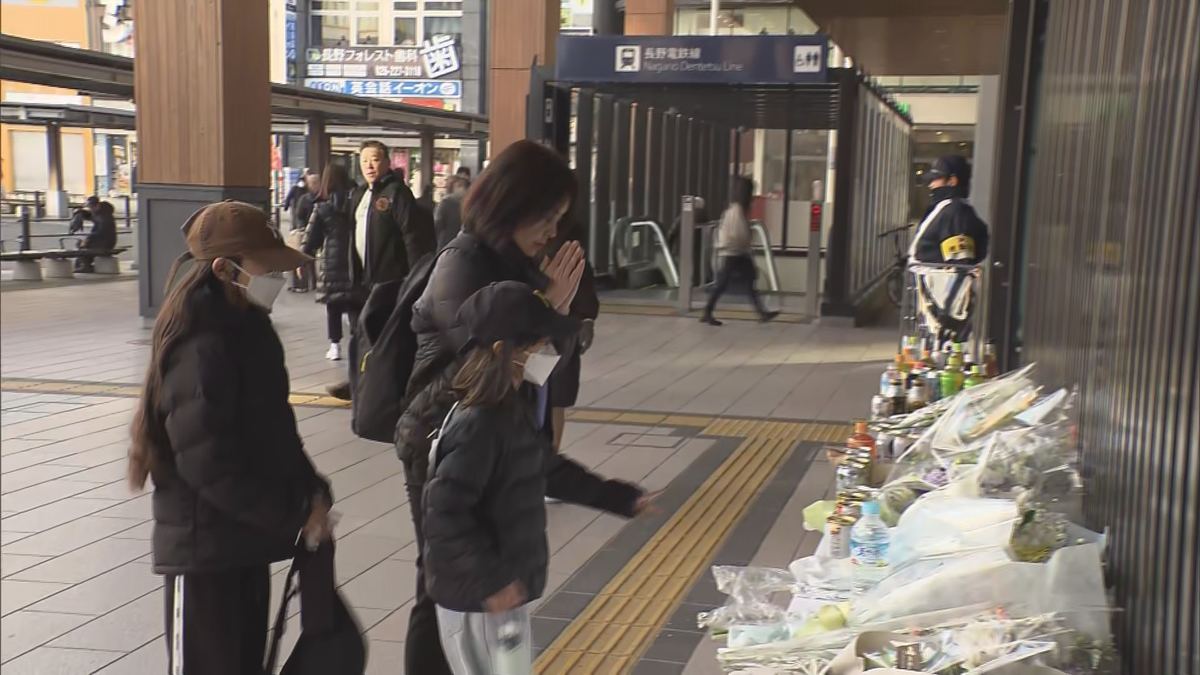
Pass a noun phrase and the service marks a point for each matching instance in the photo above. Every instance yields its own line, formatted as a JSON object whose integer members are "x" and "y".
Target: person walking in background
{"x": 734, "y": 249}
{"x": 510, "y": 215}
{"x": 233, "y": 487}
{"x": 447, "y": 218}
{"x": 298, "y": 189}
{"x": 391, "y": 233}
{"x": 303, "y": 279}
{"x": 464, "y": 173}
{"x": 330, "y": 231}
{"x": 485, "y": 548}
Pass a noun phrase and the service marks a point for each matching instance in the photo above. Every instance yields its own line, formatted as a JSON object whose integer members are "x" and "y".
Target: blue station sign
{"x": 693, "y": 59}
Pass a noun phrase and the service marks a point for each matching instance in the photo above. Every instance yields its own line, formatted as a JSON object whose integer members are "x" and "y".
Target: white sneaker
{"x": 335, "y": 352}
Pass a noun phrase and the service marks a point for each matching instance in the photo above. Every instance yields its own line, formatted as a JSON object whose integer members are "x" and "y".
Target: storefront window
{"x": 330, "y": 30}
{"x": 745, "y": 21}
{"x": 406, "y": 31}
{"x": 443, "y": 25}
{"x": 366, "y": 31}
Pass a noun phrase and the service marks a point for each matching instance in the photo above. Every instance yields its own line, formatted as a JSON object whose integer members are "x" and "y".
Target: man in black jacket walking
{"x": 390, "y": 232}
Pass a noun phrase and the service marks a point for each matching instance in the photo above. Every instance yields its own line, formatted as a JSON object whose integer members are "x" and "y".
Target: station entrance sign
{"x": 704, "y": 59}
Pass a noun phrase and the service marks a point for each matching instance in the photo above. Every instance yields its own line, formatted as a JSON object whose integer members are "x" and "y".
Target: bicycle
{"x": 896, "y": 278}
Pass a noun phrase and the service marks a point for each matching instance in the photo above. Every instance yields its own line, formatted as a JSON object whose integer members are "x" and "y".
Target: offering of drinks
{"x": 918, "y": 397}
{"x": 869, "y": 540}
{"x": 975, "y": 378}
{"x": 861, "y": 438}
{"x": 991, "y": 365}
{"x": 951, "y": 380}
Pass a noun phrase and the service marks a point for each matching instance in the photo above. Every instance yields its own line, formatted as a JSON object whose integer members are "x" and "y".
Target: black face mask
{"x": 937, "y": 194}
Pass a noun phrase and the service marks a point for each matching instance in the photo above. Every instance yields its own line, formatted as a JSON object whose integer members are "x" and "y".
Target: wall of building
{"x": 1107, "y": 293}
{"x": 64, "y": 22}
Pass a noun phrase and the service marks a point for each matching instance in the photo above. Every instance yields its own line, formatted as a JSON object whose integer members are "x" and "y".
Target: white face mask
{"x": 538, "y": 366}
{"x": 263, "y": 288}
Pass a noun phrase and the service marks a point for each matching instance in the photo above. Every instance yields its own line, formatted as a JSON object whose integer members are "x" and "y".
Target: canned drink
{"x": 933, "y": 386}
{"x": 881, "y": 407}
{"x": 854, "y": 496}
{"x": 837, "y": 528}
{"x": 862, "y": 472}
{"x": 848, "y": 475}
{"x": 860, "y": 453}
{"x": 853, "y": 509}
{"x": 883, "y": 446}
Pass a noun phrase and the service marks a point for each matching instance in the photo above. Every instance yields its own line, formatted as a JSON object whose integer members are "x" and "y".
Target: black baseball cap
{"x": 950, "y": 165}
{"x": 512, "y": 312}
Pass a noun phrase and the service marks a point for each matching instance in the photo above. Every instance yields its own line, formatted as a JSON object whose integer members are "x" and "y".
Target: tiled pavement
{"x": 77, "y": 595}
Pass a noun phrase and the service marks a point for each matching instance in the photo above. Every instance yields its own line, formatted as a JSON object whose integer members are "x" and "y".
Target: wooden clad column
{"x": 649, "y": 17}
{"x": 522, "y": 30}
{"x": 202, "y": 78}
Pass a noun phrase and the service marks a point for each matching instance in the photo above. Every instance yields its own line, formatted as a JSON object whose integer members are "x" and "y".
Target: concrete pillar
{"x": 649, "y": 17}
{"x": 986, "y": 151}
{"x": 317, "y": 146}
{"x": 203, "y": 123}
{"x": 474, "y": 76}
{"x": 425, "y": 166}
{"x": 606, "y": 20}
{"x": 529, "y": 29}
{"x": 57, "y": 204}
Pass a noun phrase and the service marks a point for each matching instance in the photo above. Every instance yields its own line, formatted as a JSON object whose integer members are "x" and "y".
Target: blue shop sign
{"x": 389, "y": 88}
{"x": 701, "y": 59}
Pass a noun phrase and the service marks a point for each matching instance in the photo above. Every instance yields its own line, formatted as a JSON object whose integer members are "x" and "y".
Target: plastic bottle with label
{"x": 862, "y": 438}
{"x": 869, "y": 541}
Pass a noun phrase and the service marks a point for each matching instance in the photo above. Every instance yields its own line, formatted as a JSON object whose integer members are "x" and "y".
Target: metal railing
{"x": 623, "y": 233}
{"x": 709, "y": 253}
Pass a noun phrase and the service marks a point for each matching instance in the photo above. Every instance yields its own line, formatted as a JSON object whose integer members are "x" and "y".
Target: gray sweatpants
{"x": 476, "y": 643}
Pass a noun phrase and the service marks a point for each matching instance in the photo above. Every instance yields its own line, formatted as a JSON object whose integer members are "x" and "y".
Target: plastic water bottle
{"x": 869, "y": 548}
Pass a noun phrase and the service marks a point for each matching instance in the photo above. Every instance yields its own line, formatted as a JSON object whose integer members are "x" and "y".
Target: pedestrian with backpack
{"x": 485, "y": 549}
{"x": 391, "y": 232}
{"x": 510, "y": 215}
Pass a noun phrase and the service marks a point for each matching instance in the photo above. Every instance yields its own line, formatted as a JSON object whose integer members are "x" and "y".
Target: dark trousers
{"x": 423, "y": 653}
{"x": 333, "y": 316}
{"x": 739, "y": 270}
{"x": 224, "y": 627}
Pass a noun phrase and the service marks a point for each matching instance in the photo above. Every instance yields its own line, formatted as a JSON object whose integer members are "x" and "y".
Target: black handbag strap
{"x": 290, "y": 590}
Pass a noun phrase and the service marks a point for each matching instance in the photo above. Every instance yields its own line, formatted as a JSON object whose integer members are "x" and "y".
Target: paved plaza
{"x": 665, "y": 402}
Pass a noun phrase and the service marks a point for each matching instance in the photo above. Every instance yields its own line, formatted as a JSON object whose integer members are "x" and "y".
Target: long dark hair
{"x": 526, "y": 181}
{"x": 335, "y": 181}
{"x": 487, "y": 375}
{"x": 174, "y": 321}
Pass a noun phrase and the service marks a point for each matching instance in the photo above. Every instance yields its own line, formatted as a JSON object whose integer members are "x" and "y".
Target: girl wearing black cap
{"x": 233, "y": 487}
{"x": 510, "y": 216}
{"x": 485, "y": 550}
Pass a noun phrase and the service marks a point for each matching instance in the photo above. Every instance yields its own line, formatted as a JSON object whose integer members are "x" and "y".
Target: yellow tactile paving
{"x": 621, "y": 622}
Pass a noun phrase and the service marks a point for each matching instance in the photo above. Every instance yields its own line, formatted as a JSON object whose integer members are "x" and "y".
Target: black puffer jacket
{"x": 233, "y": 485}
{"x": 395, "y": 240}
{"x": 484, "y": 508}
{"x": 447, "y": 218}
{"x": 466, "y": 265}
{"x": 331, "y": 231}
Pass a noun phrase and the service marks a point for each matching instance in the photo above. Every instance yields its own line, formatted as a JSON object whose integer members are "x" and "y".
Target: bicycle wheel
{"x": 895, "y": 286}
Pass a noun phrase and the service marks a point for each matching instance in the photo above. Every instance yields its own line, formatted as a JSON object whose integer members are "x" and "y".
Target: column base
{"x": 106, "y": 265}
{"x": 58, "y": 268}
{"x": 162, "y": 210}
{"x": 27, "y": 270}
